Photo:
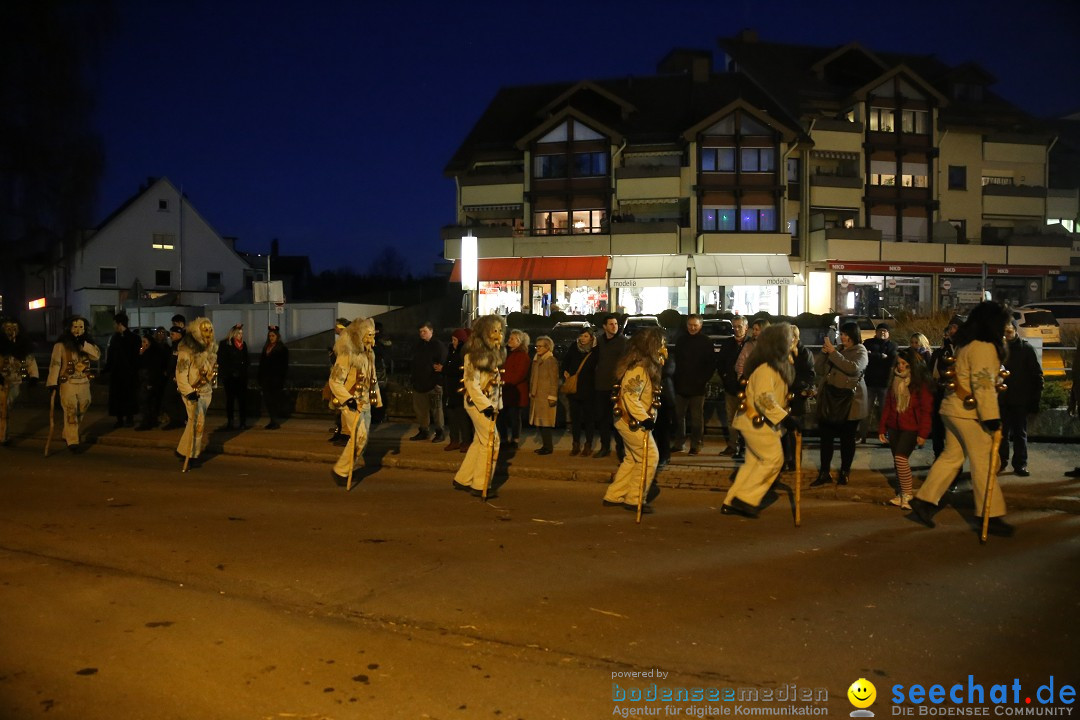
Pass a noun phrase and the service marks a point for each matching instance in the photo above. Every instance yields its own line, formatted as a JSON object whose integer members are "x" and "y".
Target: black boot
{"x": 922, "y": 512}
{"x": 823, "y": 478}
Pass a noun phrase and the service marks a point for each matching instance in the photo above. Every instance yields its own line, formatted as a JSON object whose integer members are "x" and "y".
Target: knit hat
{"x": 462, "y": 334}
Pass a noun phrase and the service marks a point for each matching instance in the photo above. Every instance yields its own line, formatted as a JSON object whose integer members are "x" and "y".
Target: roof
{"x": 654, "y": 109}
{"x": 813, "y": 80}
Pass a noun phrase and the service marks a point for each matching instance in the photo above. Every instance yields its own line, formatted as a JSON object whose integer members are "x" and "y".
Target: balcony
{"x": 646, "y": 182}
{"x": 645, "y": 238}
{"x": 1004, "y": 199}
{"x": 493, "y": 186}
{"x": 749, "y": 243}
{"x": 833, "y": 243}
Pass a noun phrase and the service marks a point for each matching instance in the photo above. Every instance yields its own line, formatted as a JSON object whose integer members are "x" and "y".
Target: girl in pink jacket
{"x": 905, "y": 419}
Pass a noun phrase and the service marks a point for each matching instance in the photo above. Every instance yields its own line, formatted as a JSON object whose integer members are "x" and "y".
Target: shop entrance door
{"x": 541, "y": 298}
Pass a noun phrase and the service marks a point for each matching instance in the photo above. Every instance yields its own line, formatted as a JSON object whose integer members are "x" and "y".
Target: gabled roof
{"x": 562, "y": 116}
{"x": 786, "y": 132}
{"x": 664, "y": 107}
{"x": 862, "y": 92}
{"x": 787, "y": 73}
{"x": 586, "y": 86}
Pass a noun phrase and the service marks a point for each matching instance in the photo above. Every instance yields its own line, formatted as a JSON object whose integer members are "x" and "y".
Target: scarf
{"x": 901, "y": 390}
{"x": 238, "y": 343}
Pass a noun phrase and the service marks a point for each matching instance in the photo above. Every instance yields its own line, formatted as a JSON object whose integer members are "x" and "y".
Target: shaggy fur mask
{"x": 484, "y": 347}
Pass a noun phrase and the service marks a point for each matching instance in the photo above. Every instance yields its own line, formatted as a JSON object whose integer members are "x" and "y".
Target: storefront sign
{"x": 625, "y": 283}
{"x": 924, "y": 269}
{"x": 778, "y": 281}
{"x": 945, "y": 285}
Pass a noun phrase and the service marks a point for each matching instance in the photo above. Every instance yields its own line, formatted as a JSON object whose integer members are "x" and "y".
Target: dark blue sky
{"x": 327, "y": 124}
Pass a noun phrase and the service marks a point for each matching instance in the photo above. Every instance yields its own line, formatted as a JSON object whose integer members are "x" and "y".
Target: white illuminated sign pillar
{"x": 469, "y": 284}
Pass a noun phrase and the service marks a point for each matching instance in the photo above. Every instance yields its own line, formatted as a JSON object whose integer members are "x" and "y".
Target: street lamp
{"x": 469, "y": 264}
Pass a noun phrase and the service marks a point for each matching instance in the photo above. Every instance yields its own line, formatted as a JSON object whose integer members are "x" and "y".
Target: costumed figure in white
{"x": 637, "y": 397}
{"x": 354, "y": 390}
{"x": 16, "y": 364}
{"x": 482, "y": 387}
{"x": 70, "y": 371}
{"x": 972, "y": 420}
{"x": 762, "y": 418}
{"x": 196, "y": 376}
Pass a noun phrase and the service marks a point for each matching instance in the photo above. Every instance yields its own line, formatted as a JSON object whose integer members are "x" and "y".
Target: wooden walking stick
{"x": 52, "y": 420}
{"x": 991, "y": 480}
{"x": 491, "y": 454}
{"x": 644, "y": 474}
{"x": 3, "y": 412}
{"x": 798, "y": 476}
{"x": 352, "y": 465}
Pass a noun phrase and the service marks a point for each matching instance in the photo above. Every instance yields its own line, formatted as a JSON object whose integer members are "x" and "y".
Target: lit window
{"x": 163, "y": 241}
{"x": 718, "y": 160}
{"x": 756, "y": 160}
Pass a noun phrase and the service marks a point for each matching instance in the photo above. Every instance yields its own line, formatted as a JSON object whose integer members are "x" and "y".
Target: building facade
{"x": 797, "y": 179}
{"x": 154, "y": 249}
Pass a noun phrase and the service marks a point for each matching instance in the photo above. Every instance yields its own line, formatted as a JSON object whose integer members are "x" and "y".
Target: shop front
{"x": 649, "y": 284}
{"x": 866, "y": 288}
{"x": 745, "y": 284}
{"x": 540, "y": 286}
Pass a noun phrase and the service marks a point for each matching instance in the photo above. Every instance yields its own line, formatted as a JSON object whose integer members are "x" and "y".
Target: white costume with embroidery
{"x": 635, "y": 403}
{"x": 766, "y": 395}
{"x": 353, "y": 378}
{"x": 196, "y": 371}
{"x": 70, "y": 372}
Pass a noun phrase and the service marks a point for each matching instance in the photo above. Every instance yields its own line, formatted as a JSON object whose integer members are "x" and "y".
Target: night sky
{"x": 328, "y": 124}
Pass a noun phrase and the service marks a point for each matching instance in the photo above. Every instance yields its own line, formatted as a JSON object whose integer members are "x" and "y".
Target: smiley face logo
{"x": 862, "y": 693}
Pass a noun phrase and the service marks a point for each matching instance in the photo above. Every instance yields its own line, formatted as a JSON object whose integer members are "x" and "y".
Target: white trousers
{"x": 482, "y": 454}
{"x": 638, "y": 460}
{"x": 75, "y": 400}
{"x": 356, "y": 423}
{"x": 764, "y": 458}
{"x": 965, "y": 437}
{"x": 195, "y": 411}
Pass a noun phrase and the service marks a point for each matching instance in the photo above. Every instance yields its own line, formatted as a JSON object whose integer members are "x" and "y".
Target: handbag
{"x": 834, "y": 404}
{"x": 569, "y": 386}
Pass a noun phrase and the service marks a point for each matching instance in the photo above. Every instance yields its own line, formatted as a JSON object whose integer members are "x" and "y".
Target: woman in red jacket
{"x": 905, "y": 419}
{"x": 515, "y": 387}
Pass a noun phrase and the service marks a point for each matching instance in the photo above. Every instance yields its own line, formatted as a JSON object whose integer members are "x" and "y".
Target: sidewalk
{"x": 305, "y": 439}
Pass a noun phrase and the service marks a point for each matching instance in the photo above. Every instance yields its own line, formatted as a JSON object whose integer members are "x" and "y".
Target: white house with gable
{"x": 155, "y": 248}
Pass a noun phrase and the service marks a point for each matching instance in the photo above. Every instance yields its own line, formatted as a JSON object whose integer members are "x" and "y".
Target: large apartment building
{"x": 794, "y": 179}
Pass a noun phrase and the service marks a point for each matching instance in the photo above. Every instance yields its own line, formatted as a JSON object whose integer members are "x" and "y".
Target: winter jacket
{"x": 844, "y": 368}
{"x": 608, "y": 351}
{"x": 516, "y": 378}
{"x": 543, "y": 390}
{"x": 694, "y": 357}
{"x": 880, "y": 356}
{"x": 917, "y": 418}
{"x": 725, "y": 363}
{"x": 427, "y": 354}
{"x": 804, "y": 379}
{"x": 233, "y": 362}
{"x": 1025, "y": 381}
{"x": 273, "y": 367}
{"x": 572, "y": 360}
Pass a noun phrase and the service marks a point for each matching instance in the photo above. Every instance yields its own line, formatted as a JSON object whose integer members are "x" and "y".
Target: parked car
{"x": 1066, "y": 311}
{"x": 1038, "y": 322}
{"x": 639, "y": 322}
{"x": 867, "y": 325}
{"x": 718, "y": 330}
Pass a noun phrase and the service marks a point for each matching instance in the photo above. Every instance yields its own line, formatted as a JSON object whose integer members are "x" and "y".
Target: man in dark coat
{"x": 693, "y": 356}
{"x": 609, "y": 347}
{"x": 122, "y": 366}
{"x": 427, "y": 361}
{"x": 726, "y": 364}
{"x": 881, "y": 355}
{"x": 1025, "y": 384}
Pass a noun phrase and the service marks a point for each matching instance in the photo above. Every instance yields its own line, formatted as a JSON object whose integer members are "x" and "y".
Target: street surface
{"x": 255, "y": 588}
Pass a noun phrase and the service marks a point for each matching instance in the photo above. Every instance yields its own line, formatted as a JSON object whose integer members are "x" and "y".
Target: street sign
{"x": 946, "y": 284}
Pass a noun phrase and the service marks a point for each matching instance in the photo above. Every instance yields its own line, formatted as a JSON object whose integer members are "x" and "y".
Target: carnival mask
{"x": 78, "y": 328}
{"x": 368, "y": 339}
{"x": 11, "y": 330}
{"x": 495, "y": 337}
{"x": 206, "y": 333}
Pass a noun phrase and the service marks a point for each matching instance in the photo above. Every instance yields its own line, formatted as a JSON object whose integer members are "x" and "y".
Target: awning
{"x": 640, "y": 270}
{"x": 835, "y": 154}
{"x": 648, "y": 201}
{"x": 745, "y": 270}
{"x": 585, "y": 267}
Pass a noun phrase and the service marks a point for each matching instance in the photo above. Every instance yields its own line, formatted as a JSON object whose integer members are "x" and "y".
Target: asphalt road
{"x": 257, "y": 589}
